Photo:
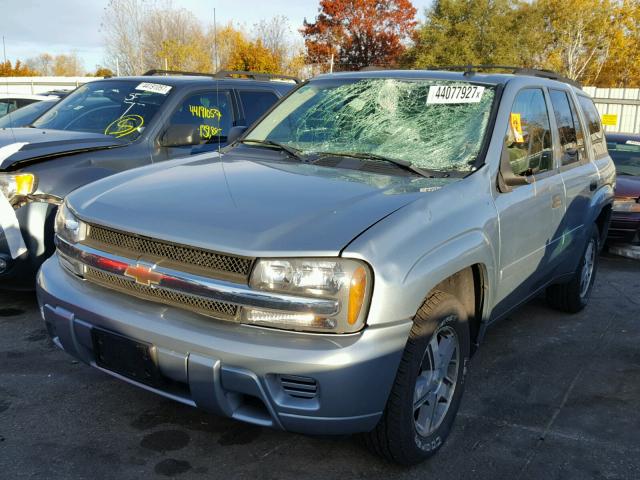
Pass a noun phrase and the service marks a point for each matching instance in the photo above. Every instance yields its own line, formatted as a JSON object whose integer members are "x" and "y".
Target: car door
{"x": 212, "y": 112}
{"x": 578, "y": 173}
{"x": 530, "y": 213}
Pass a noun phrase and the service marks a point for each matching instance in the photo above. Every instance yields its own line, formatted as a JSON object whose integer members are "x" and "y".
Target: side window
{"x": 7, "y": 106}
{"x": 594, "y": 126}
{"x": 569, "y": 129}
{"x": 528, "y": 138}
{"x": 255, "y": 103}
{"x": 211, "y": 112}
{"x": 25, "y": 101}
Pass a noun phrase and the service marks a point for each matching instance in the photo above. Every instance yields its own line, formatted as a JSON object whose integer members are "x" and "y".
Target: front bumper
{"x": 624, "y": 228}
{"x": 234, "y": 370}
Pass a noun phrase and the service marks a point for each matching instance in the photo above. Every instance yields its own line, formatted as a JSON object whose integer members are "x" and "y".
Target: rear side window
{"x": 569, "y": 129}
{"x": 256, "y": 103}
{"x": 528, "y": 138}
{"x": 594, "y": 126}
{"x": 23, "y": 102}
{"x": 211, "y": 112}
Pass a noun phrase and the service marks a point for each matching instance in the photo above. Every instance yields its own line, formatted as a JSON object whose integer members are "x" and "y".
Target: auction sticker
{"x": 633, "y": 142}
{"x": 451, "y": 94}
{"x": 154, "y": 87}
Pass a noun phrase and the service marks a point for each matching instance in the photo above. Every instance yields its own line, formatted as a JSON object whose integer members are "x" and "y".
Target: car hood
{"x": 627, "y": 186}
{"x": 30, "y": 145}
{"x": 248, "y": 207}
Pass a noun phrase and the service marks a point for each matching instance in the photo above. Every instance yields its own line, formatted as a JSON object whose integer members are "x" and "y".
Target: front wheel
{"x": 428, "y": 388}
{"x": 573, "y": 296}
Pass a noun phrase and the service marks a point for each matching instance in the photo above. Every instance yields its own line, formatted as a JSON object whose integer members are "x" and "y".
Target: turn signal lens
{"x": 356, "y": 294}
{"x": 25, "y": 183}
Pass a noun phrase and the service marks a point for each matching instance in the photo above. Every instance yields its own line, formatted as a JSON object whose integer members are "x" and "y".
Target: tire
{"x": 400, "y": 437}
{"x": 573, "y": 296}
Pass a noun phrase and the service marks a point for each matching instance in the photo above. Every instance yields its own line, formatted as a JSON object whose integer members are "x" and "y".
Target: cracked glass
{"x": 393, "y": 118}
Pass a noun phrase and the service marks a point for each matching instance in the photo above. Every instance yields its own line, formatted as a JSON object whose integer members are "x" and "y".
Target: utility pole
{"x": 117, "y": 67}
{"x": 4, "y": 49}
{"x": 331, "y": 64}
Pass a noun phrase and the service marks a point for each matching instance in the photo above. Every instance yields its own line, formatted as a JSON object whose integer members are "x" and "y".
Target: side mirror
{"x": 235, "y": 133}
{"x": 181, "y": 135}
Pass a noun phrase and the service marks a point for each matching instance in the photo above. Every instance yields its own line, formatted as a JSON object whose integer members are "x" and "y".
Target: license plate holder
{"x": 126, "y": 357}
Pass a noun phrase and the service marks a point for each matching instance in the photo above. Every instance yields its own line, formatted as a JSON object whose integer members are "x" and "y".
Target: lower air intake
{"x": 299, "y": 387}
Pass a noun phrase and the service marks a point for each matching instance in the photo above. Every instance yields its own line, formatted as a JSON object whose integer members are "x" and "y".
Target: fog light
{"x": 3, "y": 265}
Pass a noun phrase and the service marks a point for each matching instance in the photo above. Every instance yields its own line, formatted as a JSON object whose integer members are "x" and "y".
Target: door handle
{"x": 593, "y": 185}
{"x": 556, "y": 201}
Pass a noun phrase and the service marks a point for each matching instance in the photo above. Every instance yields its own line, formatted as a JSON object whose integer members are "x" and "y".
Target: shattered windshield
{"x": 118, "y": 108}
{"x": 433, "y": 124}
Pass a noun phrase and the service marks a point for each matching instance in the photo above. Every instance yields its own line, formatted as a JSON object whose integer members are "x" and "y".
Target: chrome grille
{"x": 205, "y": 306}
{"x": 207, "y": 263}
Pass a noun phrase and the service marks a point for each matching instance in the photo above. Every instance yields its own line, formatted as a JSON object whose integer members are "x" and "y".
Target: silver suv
{"x": 333, "y": 269}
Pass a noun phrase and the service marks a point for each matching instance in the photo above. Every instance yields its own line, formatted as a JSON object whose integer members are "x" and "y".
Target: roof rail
{"x": 227, "y": 74}
{"x": 533, "y": 72}
{"x": 174, "y": 72}
{"x": 255, "y": 75}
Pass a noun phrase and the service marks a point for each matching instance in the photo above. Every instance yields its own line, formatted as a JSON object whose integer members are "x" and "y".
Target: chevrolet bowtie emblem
{"x": 143, "y": 275}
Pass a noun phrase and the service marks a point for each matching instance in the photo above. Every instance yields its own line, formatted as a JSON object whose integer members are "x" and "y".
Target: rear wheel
{"x": 573, "y": 296}
{"x": 428, "y": 388}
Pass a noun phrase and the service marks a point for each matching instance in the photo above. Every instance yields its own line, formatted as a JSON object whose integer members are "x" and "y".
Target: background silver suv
{"x": 333, "y": 271}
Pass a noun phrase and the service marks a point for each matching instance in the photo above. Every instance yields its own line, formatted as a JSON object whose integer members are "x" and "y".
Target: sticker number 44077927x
{"x": 449, "y": 94}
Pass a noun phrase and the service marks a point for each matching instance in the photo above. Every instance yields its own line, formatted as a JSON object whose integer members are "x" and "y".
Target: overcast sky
{"x": 33, "y": 27}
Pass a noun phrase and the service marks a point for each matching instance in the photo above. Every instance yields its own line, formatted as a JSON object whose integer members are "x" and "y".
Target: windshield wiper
{"x": 293, "y": 152}
{"x": 627, "y": 174}
{"x": 405, "y": 165}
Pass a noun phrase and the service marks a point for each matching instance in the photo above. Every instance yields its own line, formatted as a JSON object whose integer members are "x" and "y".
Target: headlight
{"x": 68, "y": 226}
{"x": 14, "y": 185}
{"x": 345, "y": 280}
{"x": 626, "y": 205}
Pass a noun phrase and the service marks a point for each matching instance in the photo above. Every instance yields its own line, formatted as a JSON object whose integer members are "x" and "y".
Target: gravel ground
{"x": 548, "y": 396}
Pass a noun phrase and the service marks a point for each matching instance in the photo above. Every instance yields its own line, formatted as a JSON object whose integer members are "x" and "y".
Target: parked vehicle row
{"x": 108, "y": 126}
{"x": 328, "y": 270}
{"x": 625, "y": 222}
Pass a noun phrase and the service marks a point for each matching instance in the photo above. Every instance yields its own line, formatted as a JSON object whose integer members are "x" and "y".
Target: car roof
{"x": 486, "y": 78}
{"x": 191, "y": 80}
{"x": 622, "y": 137}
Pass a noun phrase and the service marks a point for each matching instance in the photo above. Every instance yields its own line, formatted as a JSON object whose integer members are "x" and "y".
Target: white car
{"x": 12, "y": 101}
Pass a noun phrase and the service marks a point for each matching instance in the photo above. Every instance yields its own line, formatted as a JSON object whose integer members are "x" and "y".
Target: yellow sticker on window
{"x": 516, "y": 127}
{"x": 610, "y": 119}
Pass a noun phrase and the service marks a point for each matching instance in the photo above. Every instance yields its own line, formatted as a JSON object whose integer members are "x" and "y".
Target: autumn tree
{"x": 253, "y": 56}
{"x": 621, "y": 68}
{"x": 103, "y": 72}
{"x": 18, "y": 69}
{"x": 359, "y": 33}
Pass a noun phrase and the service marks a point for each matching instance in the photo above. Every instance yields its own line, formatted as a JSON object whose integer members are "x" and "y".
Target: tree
{"x": 253, "y": 57}
{"x": 122, "y": 25}
{"x": 622, "y": 66}
{"x": 460, "y": 32}
{"x": 68, "y": 65}
{"x": 175, "y": 37}
{"x": 579, "y": 34}
{"x": 592, "y": 41}
{"x": 16, "y": 70}
{"x": 42, "y": 64}
{"x": 103, "y": 72}
{"x": 359, "y": 33}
